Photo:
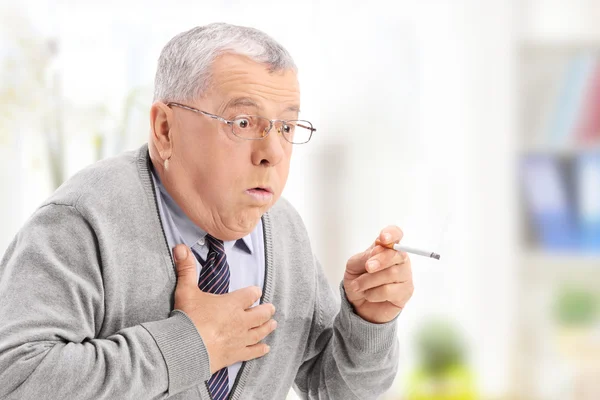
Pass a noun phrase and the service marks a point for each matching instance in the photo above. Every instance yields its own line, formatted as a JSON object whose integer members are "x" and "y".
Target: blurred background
{"x": 473, "y": 125}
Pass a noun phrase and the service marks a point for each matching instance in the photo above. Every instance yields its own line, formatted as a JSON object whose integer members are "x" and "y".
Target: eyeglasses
{"x": 254, "y": 127}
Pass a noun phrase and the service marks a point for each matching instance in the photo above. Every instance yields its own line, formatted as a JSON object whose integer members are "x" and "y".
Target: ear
{"x": 161, "y": 123}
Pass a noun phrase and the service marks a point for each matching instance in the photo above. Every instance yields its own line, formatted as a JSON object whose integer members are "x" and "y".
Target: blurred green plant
{"x": 576, "y": 306}
{"x": 442, "y": 373}
{"x": 456, "y": 383}
{"x": 439, "y": 346}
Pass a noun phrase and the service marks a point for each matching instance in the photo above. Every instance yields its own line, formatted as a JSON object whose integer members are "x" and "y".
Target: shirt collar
{"x": 189, "y": 231}
{"x": 244, "y": 243}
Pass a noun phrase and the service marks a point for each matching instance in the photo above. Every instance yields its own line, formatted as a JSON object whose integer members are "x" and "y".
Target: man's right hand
{"x": 228, "y": 324}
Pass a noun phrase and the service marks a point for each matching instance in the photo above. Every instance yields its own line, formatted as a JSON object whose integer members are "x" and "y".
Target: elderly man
{"x": 178, "y": 271}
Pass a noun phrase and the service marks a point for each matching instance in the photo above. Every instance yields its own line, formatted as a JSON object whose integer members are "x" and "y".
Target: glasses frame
{"x": 230, "y": 122}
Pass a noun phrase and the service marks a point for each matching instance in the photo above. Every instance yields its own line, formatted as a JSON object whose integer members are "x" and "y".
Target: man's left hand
{"x": 378, "y": 282}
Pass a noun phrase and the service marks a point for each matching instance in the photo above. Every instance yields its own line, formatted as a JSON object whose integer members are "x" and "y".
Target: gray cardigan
{"x": 86, "y": 306}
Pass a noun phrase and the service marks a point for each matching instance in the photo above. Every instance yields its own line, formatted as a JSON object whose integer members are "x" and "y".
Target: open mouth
{"x": 261, "y": 193}
{"x": 260, "y": 189}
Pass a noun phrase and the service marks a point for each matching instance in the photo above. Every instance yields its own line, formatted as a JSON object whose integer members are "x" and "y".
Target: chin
{"x": 239, "y": 225}
{"x": 250, "y": 218}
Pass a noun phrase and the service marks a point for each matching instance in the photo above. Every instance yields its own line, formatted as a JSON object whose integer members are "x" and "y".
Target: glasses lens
{"x": 250, "y": 126}
{"x": 297, "y": 132}
{"x": 255, "y": 127}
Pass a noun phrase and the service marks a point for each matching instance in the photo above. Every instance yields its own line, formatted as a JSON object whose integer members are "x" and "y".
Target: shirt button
{"x": 201, "y": 242}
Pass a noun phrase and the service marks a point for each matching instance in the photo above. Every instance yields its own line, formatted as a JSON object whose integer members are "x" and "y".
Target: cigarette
{"x": 411, "y": 250}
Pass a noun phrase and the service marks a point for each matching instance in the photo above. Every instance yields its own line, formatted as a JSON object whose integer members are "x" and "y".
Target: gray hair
{"x": 183, "y": 72}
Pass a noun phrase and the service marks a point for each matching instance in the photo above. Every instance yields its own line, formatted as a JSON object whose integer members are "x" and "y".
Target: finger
{"x": 390, "y": 235}
{"x": 257, "y": 334}
{"x": 247, "y": 296}
{"x": 394, "y": 274}
{"x": 356, "y": 263}
{"x": 185, "y": 266}
{"x": 260, "y": 314}
{"x": 353, "y": 295}
{"x": 396, "y": 293}
{"x": 254, "y": 351}
{"x": 384, "y": 259}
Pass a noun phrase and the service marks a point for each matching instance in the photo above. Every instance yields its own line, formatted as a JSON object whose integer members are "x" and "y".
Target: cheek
{"x": 208, "y": 151}
{"x": 285, "y": 163}
{"x": 225, "y": 170}
{"x": 191, "y": 135}
{"x": 192, "y": 144}
{"x": 222, "y": 172}
{"x": 283, "y": 169}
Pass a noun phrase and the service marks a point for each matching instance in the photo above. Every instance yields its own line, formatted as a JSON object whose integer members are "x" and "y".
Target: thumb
{"x": 185, "y": 265}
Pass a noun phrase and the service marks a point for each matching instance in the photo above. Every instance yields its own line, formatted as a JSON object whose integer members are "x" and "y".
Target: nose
{"x": 270, "y": 150}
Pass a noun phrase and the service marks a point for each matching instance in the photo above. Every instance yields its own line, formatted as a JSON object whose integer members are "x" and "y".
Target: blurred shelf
{"x": 575, "y": 265}
{"x": 573, "y": 44}
{"x": 566, "y": 151}
{"x": 562, "y": 257}
{"x": 550, "y": 36}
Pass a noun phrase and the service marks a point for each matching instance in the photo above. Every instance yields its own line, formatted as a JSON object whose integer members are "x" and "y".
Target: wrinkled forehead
{"x": 238, "y": 81}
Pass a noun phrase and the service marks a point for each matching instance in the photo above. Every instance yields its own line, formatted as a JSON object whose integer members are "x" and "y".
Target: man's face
{"x": 225, "y": 183}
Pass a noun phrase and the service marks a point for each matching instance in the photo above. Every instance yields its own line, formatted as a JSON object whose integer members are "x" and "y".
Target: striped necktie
{"x": 214, "y": 278}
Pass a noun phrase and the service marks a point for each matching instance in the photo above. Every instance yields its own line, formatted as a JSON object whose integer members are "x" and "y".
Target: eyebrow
{"x": 248, "y": 102}
{"x": 293, "y": 108}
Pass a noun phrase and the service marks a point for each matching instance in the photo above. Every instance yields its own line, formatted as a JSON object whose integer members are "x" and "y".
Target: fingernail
{"x": 180, "y": 253}
{"x": 387, "y": 237}
{"x": 354, "y": 286}
{"x": 267, "y": 349}
{"x": 273, "y": 324}
{"x": 373, "y": 265}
